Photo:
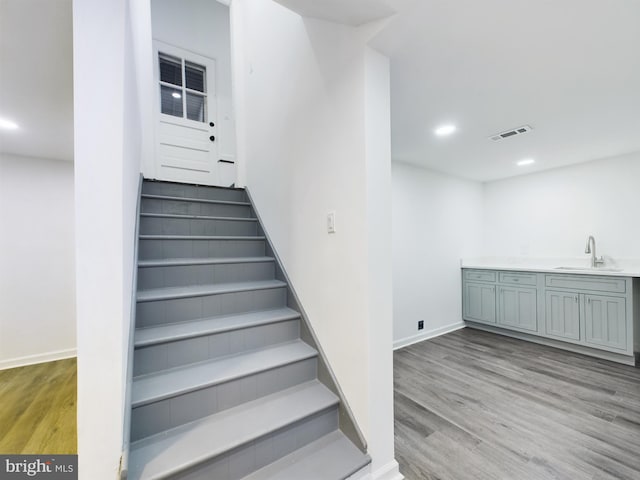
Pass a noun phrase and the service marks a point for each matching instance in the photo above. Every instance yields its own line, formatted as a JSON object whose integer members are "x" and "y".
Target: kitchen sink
{"x": 589, "y": 269}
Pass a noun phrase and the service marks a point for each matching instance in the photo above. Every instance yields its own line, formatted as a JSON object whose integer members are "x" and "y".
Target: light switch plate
{"x": 331, "y": 222}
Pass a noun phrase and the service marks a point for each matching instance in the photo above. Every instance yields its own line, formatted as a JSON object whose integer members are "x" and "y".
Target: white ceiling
{"x": 568, "y": 68}
{"x": 36, "y": 77}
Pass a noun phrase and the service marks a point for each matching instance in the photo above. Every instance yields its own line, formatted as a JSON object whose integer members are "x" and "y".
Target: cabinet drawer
{"x": 587, "y": 282}
{"x": 518, "y": 278}
{"x": 480, "y": 275}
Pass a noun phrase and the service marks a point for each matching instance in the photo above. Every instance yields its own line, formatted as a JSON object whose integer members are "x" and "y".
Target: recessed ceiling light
{"x": 176, "y": 95}
{"x": 526, "y": 161}
{"x": 8, "y": 124}
{"x": 444, "y": 130}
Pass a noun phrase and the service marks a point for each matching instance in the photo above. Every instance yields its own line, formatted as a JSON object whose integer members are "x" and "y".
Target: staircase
{"x": 223, "y": 386}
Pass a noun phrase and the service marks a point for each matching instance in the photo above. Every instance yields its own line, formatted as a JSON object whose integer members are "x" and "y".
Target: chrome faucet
{"x": 591, "y": 248}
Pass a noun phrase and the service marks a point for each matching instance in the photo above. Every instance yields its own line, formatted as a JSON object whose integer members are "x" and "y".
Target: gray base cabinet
{"x": 480, "y": 302}
{"x": 605, "y": 321}
{"x": 588, "y": 312}
{"x": 517, "y": 308}
{"x": 562, "y": 314}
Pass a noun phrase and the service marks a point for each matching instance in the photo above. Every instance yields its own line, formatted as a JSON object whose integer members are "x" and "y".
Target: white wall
{"x": 37, "y": 278}
{"x": 437, "y": 220}
{"x": 550, "y": 214}
{"x": 302, "y": 103}
{"x": 379, "y": 289}
{"x": 106, "y": 174}
{"x": 202, "y": 26}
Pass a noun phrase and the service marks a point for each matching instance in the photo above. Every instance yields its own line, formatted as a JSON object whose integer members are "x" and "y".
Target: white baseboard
{"x": 405, "y": 342}
{"x": 390, "y": 471}
{"x": 39, "y": 358}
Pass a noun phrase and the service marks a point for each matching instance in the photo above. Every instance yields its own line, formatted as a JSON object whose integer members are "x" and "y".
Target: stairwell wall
{"x": 301, "y": 96}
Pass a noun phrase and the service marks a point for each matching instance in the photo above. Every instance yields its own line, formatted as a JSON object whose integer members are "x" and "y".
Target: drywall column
{"x": 106, "y": 172}
{"x": 379, "y": 289}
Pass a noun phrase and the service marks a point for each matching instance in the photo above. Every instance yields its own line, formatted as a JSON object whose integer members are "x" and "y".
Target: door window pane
{"x": 171, "y": 101}
{"x": 170, "y": 70}
{"x": 196, "y": 108}
{"x": 194, "y": 76}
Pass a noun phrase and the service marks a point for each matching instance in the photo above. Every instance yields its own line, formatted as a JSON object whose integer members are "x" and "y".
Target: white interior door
{"x": 186, "y": 144}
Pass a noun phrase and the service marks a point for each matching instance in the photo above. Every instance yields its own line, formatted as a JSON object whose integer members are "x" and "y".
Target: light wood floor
{"x": 38, "y": 409}
{"x": 474, "y": 405}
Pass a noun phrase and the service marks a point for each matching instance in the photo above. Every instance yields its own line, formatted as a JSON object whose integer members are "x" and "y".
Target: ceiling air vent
{"x": 511, "y": 133}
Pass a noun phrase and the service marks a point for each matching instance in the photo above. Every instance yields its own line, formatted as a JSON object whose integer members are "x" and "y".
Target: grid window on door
{"x": 183, "y": 91}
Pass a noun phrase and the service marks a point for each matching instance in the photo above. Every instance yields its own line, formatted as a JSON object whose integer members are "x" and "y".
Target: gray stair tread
{"x": 169, "y": 383}
{"x": 197, "y": 217}
{"x": 179, "y": 331}
{"x": 170, "y": 262}
{"x": 331, "y": 457}
{"x": 202, "y": 237}
{"x": 180, "y": 448}
{"x": 191, "y": 199}
{"x": 202, "y": 290}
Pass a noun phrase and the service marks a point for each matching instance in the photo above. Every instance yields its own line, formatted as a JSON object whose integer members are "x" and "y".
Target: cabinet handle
{"x": 576, "y": 299}
{"x": 589, "y": 301}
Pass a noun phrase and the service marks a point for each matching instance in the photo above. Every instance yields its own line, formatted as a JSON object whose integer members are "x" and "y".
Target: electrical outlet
{"x": 331, "y": 222}
{"x": 420, "y": 324}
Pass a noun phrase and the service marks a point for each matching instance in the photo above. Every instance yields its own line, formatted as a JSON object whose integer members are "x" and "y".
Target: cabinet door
{"x": 562, "y": 317}
{"x": 606, "y": 321}
{"x": 517, "y": 308}
{"x": 479, "y": 302}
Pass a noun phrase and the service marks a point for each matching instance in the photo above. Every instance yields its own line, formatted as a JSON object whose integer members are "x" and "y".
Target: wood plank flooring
{"x": 475, "y": 405}
{"x": 38, "y": 409}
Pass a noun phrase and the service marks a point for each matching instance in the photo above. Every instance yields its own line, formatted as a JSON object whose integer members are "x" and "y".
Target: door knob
{"x": 212, "y": 138}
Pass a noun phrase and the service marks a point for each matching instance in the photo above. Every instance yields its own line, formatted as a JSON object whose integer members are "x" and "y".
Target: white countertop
{"x": 623, "y": 267}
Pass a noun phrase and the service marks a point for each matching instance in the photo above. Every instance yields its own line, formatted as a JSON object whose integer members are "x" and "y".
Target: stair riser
{"x": 182, "y": 352}
{"x": 188, "y": 248}
{"x": 159, "y": 416}
{"x": 193, "y": 191}
{"x": 183, "y": 309}
{"x": 180, "y": 207}
{"x": 185, "y": 275}
{"x": 191, "y": 226}
{"x": 246, "y": 459}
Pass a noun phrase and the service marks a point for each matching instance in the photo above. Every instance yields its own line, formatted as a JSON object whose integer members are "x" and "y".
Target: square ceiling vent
{"x": 511, "y": 133}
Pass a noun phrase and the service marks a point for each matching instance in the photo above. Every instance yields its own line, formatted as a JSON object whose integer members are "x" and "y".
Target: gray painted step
{"x": 235, "y": 442}
{"x": 193, "y": 191}
{"x": 236, "y": 301}
{"x": 156, "y": 417}
{"x": 172, "y": 224}
{"x": 194, "y": 206}
{"x": 145, "y": 337}
{"x": 206, "y": 290}
{"x": 182, "y": 273}
{"x": 153, "y": 388}
{"x": 178, "y": 344}
{"x": 152, "y": 247}
{"x": 330, "y": 457}
{"x": 200, "y": 261}
{"x": 179, "y": 352}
